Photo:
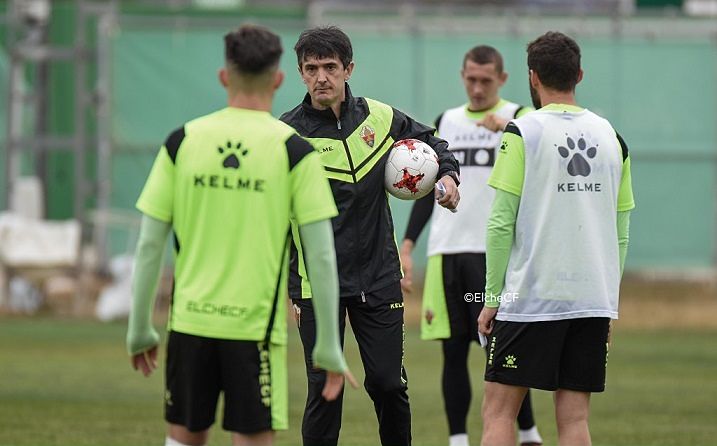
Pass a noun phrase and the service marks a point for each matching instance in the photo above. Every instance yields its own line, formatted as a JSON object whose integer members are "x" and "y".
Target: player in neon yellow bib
{"x": 227, "y": 185}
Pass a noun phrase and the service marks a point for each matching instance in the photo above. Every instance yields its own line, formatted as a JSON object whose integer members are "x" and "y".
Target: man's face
{"x": 324, "y": 79}
{"x": 482, "y": 83}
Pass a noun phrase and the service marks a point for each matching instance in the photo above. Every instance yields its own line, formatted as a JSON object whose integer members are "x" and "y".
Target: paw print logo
{"x": 578, "y": 165}
{"x": 510, "y": 362}
{"x": 232, "y": 154}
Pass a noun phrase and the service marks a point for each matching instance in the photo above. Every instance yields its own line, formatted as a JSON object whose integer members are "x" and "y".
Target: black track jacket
{"x": 353, "y": 151}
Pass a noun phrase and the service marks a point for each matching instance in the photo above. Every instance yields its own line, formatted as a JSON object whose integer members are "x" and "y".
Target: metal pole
{"x": 14, "y": 126}
{"x": 80, "y": 114}
{"x": 79, "y": 111}
{"x": 12, "y": 136}
{"x": 105, "y": 27}
{"x": 41, "y": 121}
{"x": 714, "y": 184}
{"x": 11, "y": 133}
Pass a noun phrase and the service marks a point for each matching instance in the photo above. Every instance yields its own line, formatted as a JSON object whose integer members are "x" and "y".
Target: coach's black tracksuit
{"x": 353, "y": 150}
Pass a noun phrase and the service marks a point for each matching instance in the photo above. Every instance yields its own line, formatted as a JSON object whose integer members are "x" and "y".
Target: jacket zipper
{"x": 353, "y": 176}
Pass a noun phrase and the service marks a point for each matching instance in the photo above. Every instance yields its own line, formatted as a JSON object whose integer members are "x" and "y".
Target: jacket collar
{"x": 346, "y": 105}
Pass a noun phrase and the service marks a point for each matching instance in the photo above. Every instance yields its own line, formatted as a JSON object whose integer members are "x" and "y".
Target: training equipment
{"x": 411, "y": 169}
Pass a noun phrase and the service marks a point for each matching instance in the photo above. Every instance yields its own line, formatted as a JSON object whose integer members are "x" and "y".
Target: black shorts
{"x": 250, "y": 374}
{"x": 566, "y": 354}
{"x": 464, "y": 274}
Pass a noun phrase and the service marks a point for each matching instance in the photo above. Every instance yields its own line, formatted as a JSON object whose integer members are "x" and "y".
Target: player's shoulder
{"x": 188, "y": 131}
{"x": 293, "y": 116}
{"x": 283, "y": 126}
{"x": 297, "y": 148}
{"x": 364, "y": 105}
{"x": 173, "y": 141}
{"x": 454, "y": 112}
{"x": 450, "y": 115}
{"x": 525, "y": 120}
{"x": 178, "y": 135}
{"x": 201, "y": 125}
{"x": 597, "y": 117}
{"x": 203, "y": 120}
{"x": 512, "y": 110}
{"x": 390, "y": 117}
{"x": 598, "y": 120}
{"x": 609, "y": 128}
{"x": 529, "y": 116}
{"x": 359, "y": 100}
{"x": 522, "y": 110}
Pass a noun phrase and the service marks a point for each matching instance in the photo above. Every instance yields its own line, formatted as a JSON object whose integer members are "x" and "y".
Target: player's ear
{"x": 580, "y": 76}
{"x": 224, "y": 77}
{"x": 350, "y": 69}
{"x": 534, "y": 79}
{"x": 503, "y": 77}
{"x": 278, "y": 79}
{"x": 301, "y": 73}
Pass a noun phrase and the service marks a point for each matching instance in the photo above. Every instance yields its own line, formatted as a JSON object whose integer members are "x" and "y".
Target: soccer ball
{"x": 411, "y": 169}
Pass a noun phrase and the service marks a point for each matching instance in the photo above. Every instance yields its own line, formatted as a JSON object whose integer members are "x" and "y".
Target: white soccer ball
{"x": 411, "y": 169}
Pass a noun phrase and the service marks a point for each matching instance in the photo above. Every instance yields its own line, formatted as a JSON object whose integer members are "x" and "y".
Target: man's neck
{"x": 557, "y": 97}
{"x": 259, "y": 101}
{"x": 336, "y": 108}
{"x": 484, "y": 109}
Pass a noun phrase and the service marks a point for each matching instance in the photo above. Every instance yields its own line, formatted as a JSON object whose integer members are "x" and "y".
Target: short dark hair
{"x": 322, "y": 42}
{"x": 555, "y": 58}
{"x": 484, "y": 54}
{"x": 252, "y": 49}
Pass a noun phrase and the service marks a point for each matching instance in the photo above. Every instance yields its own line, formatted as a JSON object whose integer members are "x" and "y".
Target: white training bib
{"x": 475, "y": 149}
{"x": 565, "y": 261}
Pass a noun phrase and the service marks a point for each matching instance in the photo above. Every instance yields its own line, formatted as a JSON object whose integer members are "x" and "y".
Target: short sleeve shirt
{"x": 229, "y": 182}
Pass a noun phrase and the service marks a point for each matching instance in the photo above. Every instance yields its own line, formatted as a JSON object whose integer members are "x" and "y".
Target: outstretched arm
{"x": 142, "y": 338}
{"x": 499, "y": 242}
{"x": 317, "y": 239}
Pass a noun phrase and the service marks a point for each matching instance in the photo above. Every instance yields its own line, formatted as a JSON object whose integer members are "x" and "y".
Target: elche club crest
{"x": 368, "y": 135}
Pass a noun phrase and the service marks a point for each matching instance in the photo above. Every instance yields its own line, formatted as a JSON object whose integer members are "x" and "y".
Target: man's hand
{"x": 493, "y": 122}
{"x": 142, "y": 346}
{"x": 145, "y": 361}
{"x": 331, "y": 359}
{"x": 486, "y": 320}
{"x": 407, "y": 266}
{"x": 450, "y": 199}
{"x": 335, "y": 382}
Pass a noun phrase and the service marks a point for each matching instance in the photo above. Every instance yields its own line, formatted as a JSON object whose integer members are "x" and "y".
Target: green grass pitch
{"x": 70, "y": 383}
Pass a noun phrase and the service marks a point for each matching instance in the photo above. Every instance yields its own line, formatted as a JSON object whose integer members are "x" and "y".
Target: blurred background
{"x": 90, "y": 89}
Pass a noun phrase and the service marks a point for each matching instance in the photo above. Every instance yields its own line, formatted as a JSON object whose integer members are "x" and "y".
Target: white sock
{"x": 458, "y": 440}
{"x": 529, "y": 435}
{"x": 172, "y": 442}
